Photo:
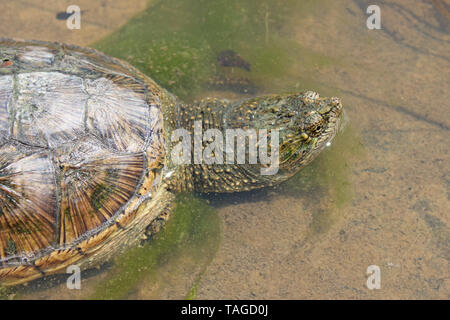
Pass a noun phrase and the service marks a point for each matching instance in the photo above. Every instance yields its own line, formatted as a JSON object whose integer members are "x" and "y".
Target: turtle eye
{"x": 314, "y": 124}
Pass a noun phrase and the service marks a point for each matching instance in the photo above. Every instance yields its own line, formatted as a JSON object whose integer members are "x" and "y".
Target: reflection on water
{"x": 379, "y": 195}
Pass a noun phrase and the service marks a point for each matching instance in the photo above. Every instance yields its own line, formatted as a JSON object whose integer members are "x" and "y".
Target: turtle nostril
{"x": 336, "y": 102}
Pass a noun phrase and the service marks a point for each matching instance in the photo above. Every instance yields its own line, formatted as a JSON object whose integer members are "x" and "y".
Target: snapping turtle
{"x": 87, "y": 161}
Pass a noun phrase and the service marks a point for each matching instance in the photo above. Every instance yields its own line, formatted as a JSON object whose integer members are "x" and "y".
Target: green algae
{"x": 192, "y": 295}
{"x": 7, "y": 293}
{"x": 192, "y": 233}
{"x": 177, "y": 42}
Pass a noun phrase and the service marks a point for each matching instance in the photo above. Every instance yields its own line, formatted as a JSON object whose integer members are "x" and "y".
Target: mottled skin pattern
{"x": 85, "y": 153}
{"x": 305, "y": 122}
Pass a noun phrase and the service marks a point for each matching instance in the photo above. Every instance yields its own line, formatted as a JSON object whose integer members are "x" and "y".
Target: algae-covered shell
{"x": 81, "y": 151}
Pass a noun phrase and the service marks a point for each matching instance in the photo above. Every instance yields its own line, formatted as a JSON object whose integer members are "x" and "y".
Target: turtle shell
{"x": 81, "y": 144}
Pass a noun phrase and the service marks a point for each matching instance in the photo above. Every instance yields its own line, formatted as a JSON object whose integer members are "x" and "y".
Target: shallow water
{"x": 378, "y": 196}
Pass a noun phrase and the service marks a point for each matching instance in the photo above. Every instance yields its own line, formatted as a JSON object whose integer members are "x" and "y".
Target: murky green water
{"x": 379, "y": 195}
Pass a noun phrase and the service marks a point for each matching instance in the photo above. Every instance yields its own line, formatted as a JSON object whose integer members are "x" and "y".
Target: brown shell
{"x": 81, "y": 148}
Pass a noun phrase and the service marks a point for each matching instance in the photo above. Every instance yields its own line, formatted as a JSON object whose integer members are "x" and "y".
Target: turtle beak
{"x": 331, "y": 111}
{"x": 336, "y": 106}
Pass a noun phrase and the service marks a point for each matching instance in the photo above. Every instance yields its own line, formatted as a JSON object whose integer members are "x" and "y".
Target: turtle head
{"x": 314, "y": 121}
{"x": 306, "y": 123}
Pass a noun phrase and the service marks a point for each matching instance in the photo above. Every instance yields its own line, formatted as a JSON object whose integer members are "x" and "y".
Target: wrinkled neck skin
{"x": 264, "y": 140}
